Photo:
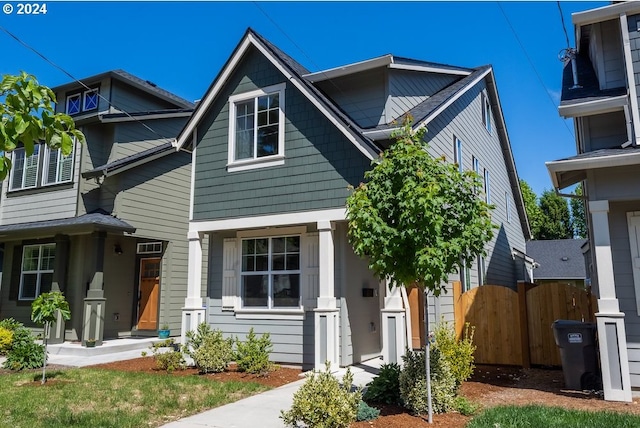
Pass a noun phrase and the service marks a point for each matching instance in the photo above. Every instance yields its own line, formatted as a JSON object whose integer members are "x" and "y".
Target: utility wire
{"x": 32, "y": 49}
{"x": 564, "y": 27}
{"x": 533, "y": 67}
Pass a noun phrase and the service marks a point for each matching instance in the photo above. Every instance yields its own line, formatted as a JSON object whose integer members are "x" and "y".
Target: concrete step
{"x": 110, "y": 346}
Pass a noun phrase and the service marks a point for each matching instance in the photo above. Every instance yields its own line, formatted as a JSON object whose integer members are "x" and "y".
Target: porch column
{"x": 59, "y": 283}
{"x": 610, "y": 321}
{"x": 193, "y": 310}
{"x": 94, "y": 303}
{"x": 326, "y": 314}
{"x": 394, "y": 325}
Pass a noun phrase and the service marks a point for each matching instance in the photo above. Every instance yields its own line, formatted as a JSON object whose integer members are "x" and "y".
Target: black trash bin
{"x": 577, "y": 343}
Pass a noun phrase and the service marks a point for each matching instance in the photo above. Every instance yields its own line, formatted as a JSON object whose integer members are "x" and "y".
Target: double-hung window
{"x": 37, "y": 270}
{"x": 256, "y": 128}
{"x": 270, "y": 274}
{"x": 24, "y": 169}
{"x": 45, "y": 166}
{"x": 487, "y": 186}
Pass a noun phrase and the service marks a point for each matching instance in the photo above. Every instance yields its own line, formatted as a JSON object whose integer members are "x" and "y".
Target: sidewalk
{"x": 263, "y": 410}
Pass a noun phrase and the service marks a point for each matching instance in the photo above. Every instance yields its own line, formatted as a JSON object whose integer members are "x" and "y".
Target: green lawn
{"x": 550, "y": 417}
{"x": 106, "y": 398}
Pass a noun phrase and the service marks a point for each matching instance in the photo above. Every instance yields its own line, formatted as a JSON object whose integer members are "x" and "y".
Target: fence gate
{"x": 514, "y": 328}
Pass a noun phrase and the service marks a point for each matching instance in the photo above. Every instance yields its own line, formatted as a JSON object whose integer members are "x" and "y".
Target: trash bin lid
{"x": 571, "y": 323}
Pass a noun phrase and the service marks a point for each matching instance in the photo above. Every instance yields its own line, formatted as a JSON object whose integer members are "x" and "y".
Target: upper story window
{"x": 486, "y": 112}
{"x": 256, "y": 128}
{"x": 457, "y": 152}
{"x": 487, "y": 186}
{"x": 81, "y": 102}
{"x": 36, "y": 275}
{"x": 508, "y": 206}
{"x": 270, "y": 274}
{"x": 45, "y": 166}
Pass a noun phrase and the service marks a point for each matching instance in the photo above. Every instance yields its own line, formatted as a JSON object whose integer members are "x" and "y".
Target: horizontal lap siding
{"x": 130, "y": 99}
{"x": 44, "y": 203}
{"x": 464, "y": 120}
{"x": 634, "y": 38}
{"x": 154, "y": 198}
{"x": 314, "y": 176}
{"x": 605, "y": 131}
{"x": 293, "y": 340}
{"x": 612, "y": 55}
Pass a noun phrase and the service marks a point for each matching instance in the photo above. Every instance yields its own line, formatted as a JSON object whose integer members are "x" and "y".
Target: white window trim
{"x": 38, "y": 271}
{"x": 66, "y": 106}
{"x": 486, "y": 113}
{"x": 45, "y": 165}
{"x": 457, "y": 153}
{"x": 487, "y": 186}
{"x": 293, "y": 310}
{"x": 265, "y": 161}
{"x": 154, "y": 243}
{"x": 84, "y": 100}
{"x": 508, "y": 206}
{"x": 22, "y": 186}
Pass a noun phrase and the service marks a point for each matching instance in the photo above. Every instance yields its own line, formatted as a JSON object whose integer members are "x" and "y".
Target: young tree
{"x": 44, "y": 311}
{"x": 578, "y": 214}
{"x": 418, "y": 219}
{"x": 28, "y": 117}
{"x": 534, "y": 214}
{"x": 557, "y": 220}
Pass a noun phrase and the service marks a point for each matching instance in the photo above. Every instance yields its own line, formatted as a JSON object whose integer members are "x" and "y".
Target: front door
{"x": 149, "y": 294}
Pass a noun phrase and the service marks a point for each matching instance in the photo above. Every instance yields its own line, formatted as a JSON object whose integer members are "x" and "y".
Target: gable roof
{"x": 365, "y": 139}
{"x": 558, "y": 258}
{"x": 293, "y": 71}
{"x": 134, "y": 81}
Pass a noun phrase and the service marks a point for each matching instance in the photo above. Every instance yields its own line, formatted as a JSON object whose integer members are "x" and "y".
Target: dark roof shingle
{"x": 558, "y": 258}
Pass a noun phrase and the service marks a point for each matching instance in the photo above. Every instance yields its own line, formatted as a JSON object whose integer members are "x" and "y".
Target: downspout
{"x": 633, "y": 94}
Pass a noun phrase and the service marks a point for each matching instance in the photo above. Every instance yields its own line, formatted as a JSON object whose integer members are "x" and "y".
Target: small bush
{"x": 385, "y": 388}
{"x": 458, "y": 353}
{"x": 10, "y": 324}
{"x": 322, "y": 402}
{"x": 167, "y": 360}
{"x": 465, "y": 407}
{"x": 6, "y": 337}
{"x": 413, "y": 384}
{"x": 252, "y": 356}
{"x": 211, "y": 352}
{"x": 24, "y": 352}
{"x": 366, "y": 412}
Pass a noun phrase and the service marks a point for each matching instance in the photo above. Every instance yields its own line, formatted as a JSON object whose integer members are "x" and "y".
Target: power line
{"x": 564, "y": 27}
{"x": 533, "y": 67}
{"x": 32, "y": 49}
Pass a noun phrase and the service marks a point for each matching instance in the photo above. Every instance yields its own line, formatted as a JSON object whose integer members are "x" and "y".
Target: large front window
{"x": 271, "y": 272}
{"x": 256, "y": 127}
{"x": 37, "y": 270}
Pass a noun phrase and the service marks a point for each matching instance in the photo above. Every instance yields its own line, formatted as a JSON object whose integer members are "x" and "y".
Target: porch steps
{"x": 109, "y": 346}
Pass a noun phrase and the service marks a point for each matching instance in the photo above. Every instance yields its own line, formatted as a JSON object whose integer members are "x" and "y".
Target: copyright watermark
{"x": 25, "y": 8}
{"x": 7, "y": 9}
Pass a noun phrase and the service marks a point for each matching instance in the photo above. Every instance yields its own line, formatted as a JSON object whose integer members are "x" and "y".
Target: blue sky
{"x": 181, "y": 46}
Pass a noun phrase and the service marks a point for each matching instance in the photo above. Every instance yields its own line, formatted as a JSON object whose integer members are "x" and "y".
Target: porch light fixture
{"x": 117, "y": 249}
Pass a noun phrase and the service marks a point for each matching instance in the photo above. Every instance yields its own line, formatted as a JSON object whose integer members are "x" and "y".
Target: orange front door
{"x": 149, "y": 293}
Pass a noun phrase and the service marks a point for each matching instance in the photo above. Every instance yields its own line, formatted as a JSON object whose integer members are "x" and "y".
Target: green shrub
{"x": 6, "y": 337}
{"x": 10, "y": 324}
{"x": 413, "y": 384}
{"x": 366, "y": 412}
{"x": 252, "y": 356}
{"x": 458, "y": 353}
{"x": 465, "y": 407}
{"x": 24, "y": 352}
{"x": 169, "y": 360}
{"x": 211, "y": 352}
{"x": 385, "y": 388}
{"x": 322, "y": 402}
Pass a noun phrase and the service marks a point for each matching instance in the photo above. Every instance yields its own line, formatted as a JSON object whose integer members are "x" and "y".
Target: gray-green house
{"x": 275, "y": 148}
{"x": 107, "y": 224}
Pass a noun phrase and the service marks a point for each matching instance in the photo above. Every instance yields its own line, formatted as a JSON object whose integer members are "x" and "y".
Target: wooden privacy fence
{"x": 514, "y": 327}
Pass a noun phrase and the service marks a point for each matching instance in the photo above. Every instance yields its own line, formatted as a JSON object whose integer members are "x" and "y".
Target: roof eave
{"x": 605, "y": 13}
{"x": 567, "y": 172}
{"x": 591, "y": 107}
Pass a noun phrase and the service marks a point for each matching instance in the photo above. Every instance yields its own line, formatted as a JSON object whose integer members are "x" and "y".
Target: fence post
{"x": 458, "y": 315}
{"x": 524, "y": 324}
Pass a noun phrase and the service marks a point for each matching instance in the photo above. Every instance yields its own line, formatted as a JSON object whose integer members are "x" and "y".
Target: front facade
{"x": 107, "y": 224}
{"x": 274, "y": 151}
{"x": 604, "y": 106}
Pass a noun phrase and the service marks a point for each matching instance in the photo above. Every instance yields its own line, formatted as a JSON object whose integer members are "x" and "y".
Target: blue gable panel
{"x": 320, "y": 162}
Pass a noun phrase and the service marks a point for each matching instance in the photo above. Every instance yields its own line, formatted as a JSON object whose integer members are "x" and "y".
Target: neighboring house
{"x": 275, "y": 149}
{"x": 107, "y": 224}
{"x": 604, "y": 106}
{"x": 558, "y": 261}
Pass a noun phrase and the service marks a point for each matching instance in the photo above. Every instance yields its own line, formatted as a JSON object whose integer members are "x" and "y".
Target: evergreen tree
{"x": 578, "y": 214}
{"x": 556, "y": 222}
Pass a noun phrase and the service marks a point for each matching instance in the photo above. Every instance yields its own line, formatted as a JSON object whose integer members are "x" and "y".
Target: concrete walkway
{"x": 263, "y": 410}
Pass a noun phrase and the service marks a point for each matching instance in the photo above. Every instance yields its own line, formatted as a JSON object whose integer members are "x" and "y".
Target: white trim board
{"x": 272, "y": 220}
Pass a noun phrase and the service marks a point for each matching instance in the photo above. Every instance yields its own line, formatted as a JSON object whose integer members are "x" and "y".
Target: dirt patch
{"x": 278, "y": 377}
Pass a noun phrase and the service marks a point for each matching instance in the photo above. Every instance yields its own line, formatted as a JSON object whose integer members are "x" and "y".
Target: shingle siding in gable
{"x": 464, "y": 120}
{"x": 320, "y": 162}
